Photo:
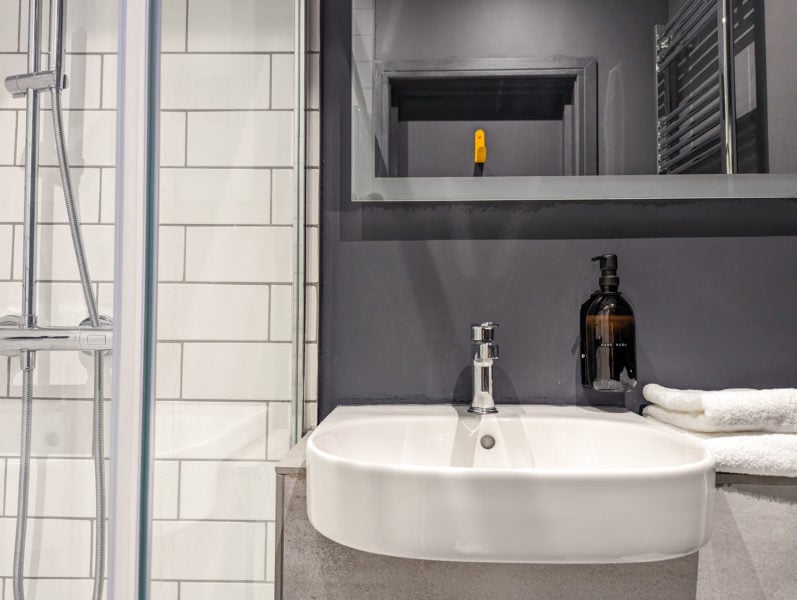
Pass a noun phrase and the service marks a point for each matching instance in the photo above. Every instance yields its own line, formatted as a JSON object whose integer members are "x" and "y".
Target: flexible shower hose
{"x": 97, "y": 445}
{"x": 24, "y": 481}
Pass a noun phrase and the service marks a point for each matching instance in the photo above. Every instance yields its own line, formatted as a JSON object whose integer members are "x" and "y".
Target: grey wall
{"x": 780, "y": 20}
{"x": 714, "y": 284}
{"x": 675, "y": 5}
{"x": 618, "y": 33}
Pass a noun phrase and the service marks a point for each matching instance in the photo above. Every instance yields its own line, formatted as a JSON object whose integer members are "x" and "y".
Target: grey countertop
{"x": 293, "y": 462}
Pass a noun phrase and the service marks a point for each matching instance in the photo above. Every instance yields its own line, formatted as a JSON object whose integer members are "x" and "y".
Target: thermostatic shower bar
{"x": 14, "y": 340}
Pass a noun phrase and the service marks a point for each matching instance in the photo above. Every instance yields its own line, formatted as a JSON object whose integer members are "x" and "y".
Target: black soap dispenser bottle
{"x": 608, "y": 335}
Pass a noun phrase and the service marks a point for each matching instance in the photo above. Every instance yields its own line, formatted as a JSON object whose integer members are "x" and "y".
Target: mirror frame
{"x": 578, "y": 188}
{"x": 367, "y": 125}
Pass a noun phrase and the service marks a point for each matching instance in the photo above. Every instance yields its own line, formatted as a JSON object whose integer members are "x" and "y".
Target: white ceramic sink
{"x": 560, "y": 485}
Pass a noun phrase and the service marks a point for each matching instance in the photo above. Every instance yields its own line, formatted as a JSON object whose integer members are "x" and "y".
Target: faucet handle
{"x": 483, "y": 333}
{"x": 487, "y": 351}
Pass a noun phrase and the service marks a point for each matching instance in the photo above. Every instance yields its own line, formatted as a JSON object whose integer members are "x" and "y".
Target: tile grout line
{"x": 266, "y": 537}
{"x": 71, "y": 578}
{"x": 19, "y": 26}
{"x": 13, "y": 249}
{"x": 182, "y": 355}
{"x": 270, "y": 82}
{"x": 88, "y": 459}
{"x": 187, "y": 9}
{"x": 179, "y": 487}
{"x": 44, "y": 518}
{"x": 271, "y": 197}
{"x": 171, "y": 281}
{"x": 228, "y": 53}
{"x": 102, "y": 80}
{"x": 204, "y": 581}
{"x": 266, "y": 436}
{"x": 16, "y": 137}
{"x": 91, "y": 547}
{"x": 221, "y": 342}
{"x": 99, "y": 206}
{"x": 270, "y": 303}
{"x": 5, "y": 483}
{"x": 185, "y": 253}
{"x": 185, "y": 145}
{"x": 207, "y": 167}
{"x": 214, "y": 110}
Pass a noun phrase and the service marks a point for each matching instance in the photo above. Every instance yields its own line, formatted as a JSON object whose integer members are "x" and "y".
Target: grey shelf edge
{"x": 293, "y": 462}
{"x": 741, "y": 479}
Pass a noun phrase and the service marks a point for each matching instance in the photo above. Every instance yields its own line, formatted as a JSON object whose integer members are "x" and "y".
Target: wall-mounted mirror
{"x": 573, "y": 99}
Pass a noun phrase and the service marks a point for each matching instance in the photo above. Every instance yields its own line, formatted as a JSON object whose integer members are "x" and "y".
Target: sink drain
{"x": 487, "y": 442}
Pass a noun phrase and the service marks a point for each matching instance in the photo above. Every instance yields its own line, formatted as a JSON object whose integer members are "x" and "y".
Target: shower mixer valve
{"x": 16, "y": 338}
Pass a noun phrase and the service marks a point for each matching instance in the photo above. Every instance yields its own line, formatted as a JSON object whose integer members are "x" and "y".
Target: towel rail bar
{"x": 699, "y": 94}
{"x": 675, "y": 167}
{"x": 677, "y": 46}
{"x": 690, "y": 136}
{"x": 704, "y": 112}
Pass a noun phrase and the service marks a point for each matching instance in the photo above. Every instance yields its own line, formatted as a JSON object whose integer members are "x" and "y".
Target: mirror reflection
{"x": 489, "y": 88}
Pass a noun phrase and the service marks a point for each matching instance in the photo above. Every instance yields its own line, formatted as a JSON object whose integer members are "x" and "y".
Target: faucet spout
{"x": 483, "y": 335}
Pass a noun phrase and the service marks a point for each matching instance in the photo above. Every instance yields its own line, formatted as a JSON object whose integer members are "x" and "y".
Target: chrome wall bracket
{"x": 18, "y": 85}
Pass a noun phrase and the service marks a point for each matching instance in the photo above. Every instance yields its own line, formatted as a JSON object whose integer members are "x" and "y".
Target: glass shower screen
{"x": 226, "y": 294}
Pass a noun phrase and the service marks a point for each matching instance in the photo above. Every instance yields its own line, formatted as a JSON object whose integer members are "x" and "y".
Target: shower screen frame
{"x": 135, "y": 300}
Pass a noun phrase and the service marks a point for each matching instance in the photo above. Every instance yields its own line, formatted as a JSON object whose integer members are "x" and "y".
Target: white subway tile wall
{"x": 226, "y": 297}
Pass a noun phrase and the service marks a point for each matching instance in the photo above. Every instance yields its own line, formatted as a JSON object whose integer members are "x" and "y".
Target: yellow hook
{"x": 479, "y": 147}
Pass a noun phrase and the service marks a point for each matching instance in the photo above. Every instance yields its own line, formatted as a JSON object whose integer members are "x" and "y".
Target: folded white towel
{"x": 731, "y": 410}
{"x": 773, "y": 454}
{"x": 754, "y": 453}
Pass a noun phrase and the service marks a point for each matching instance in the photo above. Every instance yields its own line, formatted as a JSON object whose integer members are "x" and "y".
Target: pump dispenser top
{"x": 608, "y": 334}
{"x": 609, "y": 281}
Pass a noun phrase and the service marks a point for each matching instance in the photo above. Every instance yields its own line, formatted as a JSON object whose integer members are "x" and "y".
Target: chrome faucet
{"x": 483, "y": 335}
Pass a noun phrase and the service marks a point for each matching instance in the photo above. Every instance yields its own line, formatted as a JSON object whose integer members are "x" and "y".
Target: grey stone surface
{"x": 751, "y": 556}
{"x": 753, "y": 551}
{"x": 293, "y": 462}
{"x": 781, "y": 44}
{"x": 317, "y": 568}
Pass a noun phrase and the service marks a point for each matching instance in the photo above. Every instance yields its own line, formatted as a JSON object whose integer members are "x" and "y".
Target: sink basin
{"x": 532, "y": 484}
